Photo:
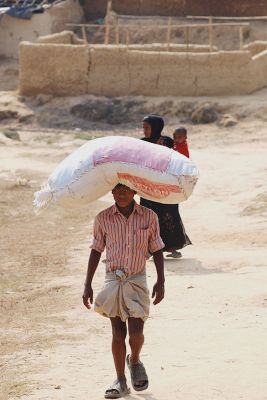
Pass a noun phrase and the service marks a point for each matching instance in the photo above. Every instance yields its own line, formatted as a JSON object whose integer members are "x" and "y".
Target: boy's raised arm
{"x": 88, "y": 295}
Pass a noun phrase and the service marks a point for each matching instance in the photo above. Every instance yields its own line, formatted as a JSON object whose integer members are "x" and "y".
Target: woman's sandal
{"x": 138, "y": 374}
{"x": 115, "y": 391}
{"x": 174, "y": 254}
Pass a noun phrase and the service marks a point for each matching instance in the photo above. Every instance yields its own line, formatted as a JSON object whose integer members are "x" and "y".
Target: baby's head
{"x": 180, "y": 135}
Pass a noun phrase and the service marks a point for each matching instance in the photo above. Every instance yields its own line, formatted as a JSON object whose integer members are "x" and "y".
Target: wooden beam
{"x": 227, "y": 18}
{"x": 165, "y": 26}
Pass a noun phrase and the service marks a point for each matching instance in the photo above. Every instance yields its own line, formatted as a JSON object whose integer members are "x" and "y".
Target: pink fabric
{"x": 157, "y": 159}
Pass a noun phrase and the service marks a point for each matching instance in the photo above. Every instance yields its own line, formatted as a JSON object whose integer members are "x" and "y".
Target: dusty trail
{"x": 205, "y": 341}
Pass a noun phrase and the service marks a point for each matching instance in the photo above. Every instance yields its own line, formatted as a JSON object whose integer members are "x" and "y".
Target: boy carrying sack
{"x": 130, "y": 233}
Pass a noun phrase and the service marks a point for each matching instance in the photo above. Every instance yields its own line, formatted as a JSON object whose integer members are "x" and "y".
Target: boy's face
{"x": 123, "y": 195}
{"x": 147, "y": 129}
{"x": 179, "y": 137}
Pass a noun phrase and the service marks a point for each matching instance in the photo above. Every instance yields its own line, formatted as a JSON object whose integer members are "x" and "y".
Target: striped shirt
{"x": 128, "y": 241}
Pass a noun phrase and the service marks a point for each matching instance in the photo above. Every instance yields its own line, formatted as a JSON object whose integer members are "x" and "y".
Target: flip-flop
{"x": 115, "y": 391}
{"x": 138, "y": 374}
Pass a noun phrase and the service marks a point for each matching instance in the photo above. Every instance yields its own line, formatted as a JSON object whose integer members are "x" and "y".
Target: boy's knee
{"x": 136, "y": 327}
{"x": 119, "y": 334}
{"x": 136, "y": 335}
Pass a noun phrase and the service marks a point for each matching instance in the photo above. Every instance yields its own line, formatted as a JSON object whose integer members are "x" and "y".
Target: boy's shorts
{"x": 124, "y": 297}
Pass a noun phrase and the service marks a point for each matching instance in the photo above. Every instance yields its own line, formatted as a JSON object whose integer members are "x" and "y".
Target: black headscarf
{"x": 157, "y": 124}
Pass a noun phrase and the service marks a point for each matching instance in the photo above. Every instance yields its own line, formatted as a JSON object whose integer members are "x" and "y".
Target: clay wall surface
{"x": 46, "y": 68}
{"x": 226, "y": 8}
{"x": 14, "y": 30}
{"x": 119, "y": 71}
{"x": 64, "y": 37}
{"x": 256, "y": 47}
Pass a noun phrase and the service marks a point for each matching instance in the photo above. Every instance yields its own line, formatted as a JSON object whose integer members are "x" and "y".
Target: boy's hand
{"x": 88, "y": 294}
{"x": 158, "y": 291}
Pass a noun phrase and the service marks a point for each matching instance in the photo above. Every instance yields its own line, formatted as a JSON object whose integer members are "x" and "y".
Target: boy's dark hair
{"x": 122, "y": 185}
{"x": 181, "y": 130}
{"x": 118, "y": 185}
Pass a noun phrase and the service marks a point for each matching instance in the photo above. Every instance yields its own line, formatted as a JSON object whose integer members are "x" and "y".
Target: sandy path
{"x": 207, "y": 339}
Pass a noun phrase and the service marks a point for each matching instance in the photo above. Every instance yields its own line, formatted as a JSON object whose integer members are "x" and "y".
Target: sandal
{"x": 138, "y": 374}
{"x": 115, "y": 391}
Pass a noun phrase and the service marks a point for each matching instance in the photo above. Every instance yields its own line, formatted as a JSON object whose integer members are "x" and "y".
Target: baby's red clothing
{"x": 182, "y": 148}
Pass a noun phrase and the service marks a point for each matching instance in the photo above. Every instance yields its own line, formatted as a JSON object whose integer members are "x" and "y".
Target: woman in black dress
{"x": 172, "y": 229}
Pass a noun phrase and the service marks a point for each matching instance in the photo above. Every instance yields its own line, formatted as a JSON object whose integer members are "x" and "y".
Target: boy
{"x": 129, "y": 232}
{"x": 180, "y": 141}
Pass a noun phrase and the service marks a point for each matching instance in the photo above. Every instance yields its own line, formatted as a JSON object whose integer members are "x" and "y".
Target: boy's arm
{"x": 92, "y": 266}
{"x": 158, "y": 288}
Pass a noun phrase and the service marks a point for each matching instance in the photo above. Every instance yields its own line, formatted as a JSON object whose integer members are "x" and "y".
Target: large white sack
{"x": 155, "y": 172}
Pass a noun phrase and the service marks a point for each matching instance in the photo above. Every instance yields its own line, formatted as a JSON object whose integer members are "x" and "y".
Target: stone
{"x": 204, "y": 114}
{"x": 227, "y": 121}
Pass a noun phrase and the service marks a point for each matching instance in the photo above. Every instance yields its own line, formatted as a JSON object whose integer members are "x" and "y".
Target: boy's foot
{"x": 117, "y": 389}
{"x": 174, "y": 254}
{"x": 139, "y": 376}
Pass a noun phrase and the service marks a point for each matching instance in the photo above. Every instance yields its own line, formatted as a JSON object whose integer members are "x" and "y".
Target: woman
{"x": 172, "y": 229}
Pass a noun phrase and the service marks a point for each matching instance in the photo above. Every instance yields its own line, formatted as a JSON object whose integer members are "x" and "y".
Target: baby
{"x": 180, "y": 141}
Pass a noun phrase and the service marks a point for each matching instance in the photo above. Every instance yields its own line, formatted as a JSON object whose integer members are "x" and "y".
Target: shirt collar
{"x": 137, "y": 209}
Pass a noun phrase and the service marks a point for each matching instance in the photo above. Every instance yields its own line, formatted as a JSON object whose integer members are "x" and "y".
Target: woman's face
{"x": 147, "y": 129}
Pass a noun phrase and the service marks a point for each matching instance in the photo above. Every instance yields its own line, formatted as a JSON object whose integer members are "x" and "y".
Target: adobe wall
{"x": 46, "y": 68}
{"x": 179, "y": 8}
{"x": 174, "y": 74}
{"x": 14, "y": 30}
{"x": 118, "y": 71}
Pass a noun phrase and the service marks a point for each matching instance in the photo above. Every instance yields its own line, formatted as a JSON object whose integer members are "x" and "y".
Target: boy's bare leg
{"x": 136, "y": 341}
{"x": 119, "y": 332}
{"x": 136, "y": 338}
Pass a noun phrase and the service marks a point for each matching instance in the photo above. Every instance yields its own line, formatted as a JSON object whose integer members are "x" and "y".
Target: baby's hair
{"x": 181, "y": 130}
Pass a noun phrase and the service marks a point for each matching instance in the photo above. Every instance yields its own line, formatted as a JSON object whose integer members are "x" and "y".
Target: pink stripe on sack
{"x": 138, "y": 152}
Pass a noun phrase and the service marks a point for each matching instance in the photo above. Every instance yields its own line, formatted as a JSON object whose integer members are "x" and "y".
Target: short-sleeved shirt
{"x": 128, "y": 241}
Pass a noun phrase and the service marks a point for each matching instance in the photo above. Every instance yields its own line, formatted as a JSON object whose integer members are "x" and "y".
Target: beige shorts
{"x": 124, "y": 297}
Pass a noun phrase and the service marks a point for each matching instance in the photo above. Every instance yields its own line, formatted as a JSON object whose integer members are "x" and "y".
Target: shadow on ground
{"x": 188, "y": 266}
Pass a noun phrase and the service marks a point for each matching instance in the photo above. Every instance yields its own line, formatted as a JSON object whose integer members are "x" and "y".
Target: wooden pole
{"x": 109, "y": 8}
{"x": 84, "y": 35}
{"x": 210, "y": 34}
{"x": 127, "y": 38}
{"x": 107, "y": 21}
{"x": 186, "y": 35}
{"x": 241, "y": 37}
{"x": 117, "y": 34}
{"x": 169, "y": 33}
{"x": 107, "y": 28}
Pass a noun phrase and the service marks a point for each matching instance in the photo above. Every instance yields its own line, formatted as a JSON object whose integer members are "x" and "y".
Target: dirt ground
{"x": 214, "y": 314}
